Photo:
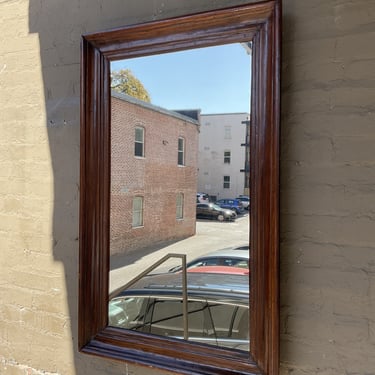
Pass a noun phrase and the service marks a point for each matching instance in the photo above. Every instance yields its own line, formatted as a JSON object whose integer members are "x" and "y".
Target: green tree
{"x": 123, "y": 81}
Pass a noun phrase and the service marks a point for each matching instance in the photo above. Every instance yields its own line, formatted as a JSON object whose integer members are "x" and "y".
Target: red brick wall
{"x": 156, "y": 177}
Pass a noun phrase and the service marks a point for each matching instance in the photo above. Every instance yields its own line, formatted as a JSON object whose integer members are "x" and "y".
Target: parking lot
{"x": 210, "y": 235}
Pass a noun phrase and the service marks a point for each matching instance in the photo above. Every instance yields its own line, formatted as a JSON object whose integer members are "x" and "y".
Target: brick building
{"x": 153, "y": 174}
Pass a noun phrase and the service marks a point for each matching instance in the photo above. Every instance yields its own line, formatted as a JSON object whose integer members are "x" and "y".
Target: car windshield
{"x": 163, "y": 315}
{"x": 216, "y": 207}
{"x": 213, "y": 311}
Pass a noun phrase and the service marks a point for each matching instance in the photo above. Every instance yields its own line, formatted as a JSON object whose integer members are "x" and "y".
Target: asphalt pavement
{"x": 210, "y": 235}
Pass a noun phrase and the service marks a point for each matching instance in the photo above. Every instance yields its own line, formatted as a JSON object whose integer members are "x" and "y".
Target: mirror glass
{"x": 179, "y": 221}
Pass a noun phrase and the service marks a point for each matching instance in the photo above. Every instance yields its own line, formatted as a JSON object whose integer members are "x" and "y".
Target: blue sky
{"x": 214, "y": 79}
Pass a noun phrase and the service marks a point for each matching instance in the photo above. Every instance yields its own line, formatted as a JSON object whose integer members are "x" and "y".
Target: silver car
{"x": 245, "y": 201}
{"x": 232, "y": 256}
{"x": 213, "y": 211}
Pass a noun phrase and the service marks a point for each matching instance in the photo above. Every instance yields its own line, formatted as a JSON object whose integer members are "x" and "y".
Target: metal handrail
{"x": 184, "y": 285}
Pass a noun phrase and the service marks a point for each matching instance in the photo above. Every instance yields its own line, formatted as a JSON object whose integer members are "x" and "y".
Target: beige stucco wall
{"x": 327, "y": 190}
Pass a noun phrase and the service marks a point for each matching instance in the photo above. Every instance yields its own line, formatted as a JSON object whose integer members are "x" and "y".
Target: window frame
{"x": 227, "y": 156}
{"x": 181, "y": 152}
{"x": 180, "y": 207}
{"x": 226, "y": 182}
{"x": 227, "y": 132}
{"x": 138, "y": 142}
{"x": 141, "y": 223}
{"x": 260, "y": 22}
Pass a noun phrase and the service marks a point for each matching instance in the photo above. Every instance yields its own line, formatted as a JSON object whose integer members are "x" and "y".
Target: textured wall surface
{"x": 327, "y": 187}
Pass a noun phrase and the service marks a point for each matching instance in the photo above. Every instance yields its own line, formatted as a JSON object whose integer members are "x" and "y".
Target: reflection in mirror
{"x": 179, "y": 223}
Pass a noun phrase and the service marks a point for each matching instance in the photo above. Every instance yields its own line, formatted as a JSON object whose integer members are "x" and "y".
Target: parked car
{"x": 242, "y": 247}
{"x": 232, "y": 204}
{"x": 203, "y": 198}
{"x": 228, "y": 270}
{"x": 233, "y": 257}
{"x": 217, "y": 308}
{"x": 245, "y": 201}
{"x": 213, "y": 211}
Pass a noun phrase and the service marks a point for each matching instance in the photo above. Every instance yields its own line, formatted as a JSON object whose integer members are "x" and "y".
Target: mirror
{"x": 165, "y": 149}
{"x": 258, "y": 22}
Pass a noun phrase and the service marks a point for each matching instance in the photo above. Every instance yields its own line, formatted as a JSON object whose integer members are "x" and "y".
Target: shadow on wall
{"x": 60, "y": 25}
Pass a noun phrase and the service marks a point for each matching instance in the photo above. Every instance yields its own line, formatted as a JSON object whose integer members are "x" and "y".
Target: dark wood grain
{"x": 260, "y": 23}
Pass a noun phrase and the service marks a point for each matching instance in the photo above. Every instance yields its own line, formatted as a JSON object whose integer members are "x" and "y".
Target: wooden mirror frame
{"x": 260, "y": 23}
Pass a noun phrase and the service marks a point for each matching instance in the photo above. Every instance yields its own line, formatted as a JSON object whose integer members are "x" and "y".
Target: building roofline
{"x": 153, "y": 107}
{"x": 226, "y": 113}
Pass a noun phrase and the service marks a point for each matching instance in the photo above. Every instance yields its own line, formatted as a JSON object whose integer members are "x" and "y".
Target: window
{"x": 257, "y": 21}
{"x": 139, "y": 141}
{"x": 181, "y": 151}
{"x": 227, "y": 132}
{"x": 226, "y": 182}
{"x": 180, "y": 206}
{"x": 226, "y": 157}
{"x": 137, "y": 212}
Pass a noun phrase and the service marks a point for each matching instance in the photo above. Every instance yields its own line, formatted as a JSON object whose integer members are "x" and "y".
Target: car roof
{"x": 210, "y": 204}
{"x": 234, "y": 201}
{"x": 208, "y": 284}
{"x": 220, "y": 269}
{"x": 227, "y": 252}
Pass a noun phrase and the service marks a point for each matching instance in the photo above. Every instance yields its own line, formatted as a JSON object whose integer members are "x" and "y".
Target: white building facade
{"x": 221, "y": 158}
